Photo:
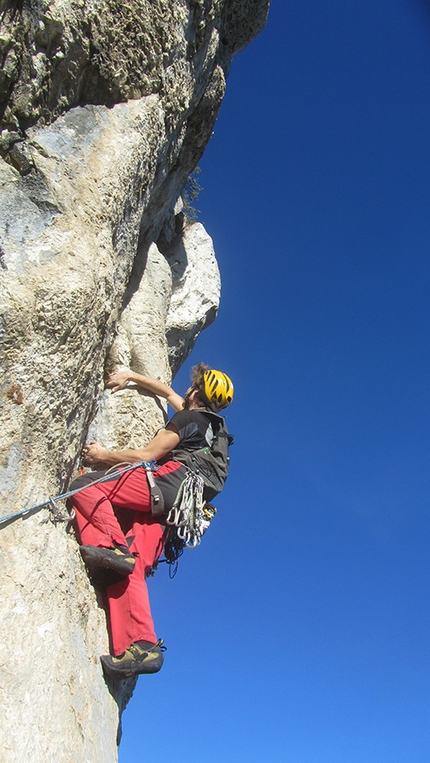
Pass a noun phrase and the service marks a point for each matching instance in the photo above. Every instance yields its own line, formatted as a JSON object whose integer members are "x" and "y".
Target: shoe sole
{"x": 105, "y": 559}
{"x": 151, "y": 664}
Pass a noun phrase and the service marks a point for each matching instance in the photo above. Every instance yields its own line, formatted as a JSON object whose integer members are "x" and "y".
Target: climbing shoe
{"x": 115, "y": 559}
{"x": 140, "y": 657}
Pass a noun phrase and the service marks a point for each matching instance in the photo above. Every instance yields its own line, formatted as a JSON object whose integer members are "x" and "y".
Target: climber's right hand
{"x": 118, "y": 381}
{"x": 92, "y": 454}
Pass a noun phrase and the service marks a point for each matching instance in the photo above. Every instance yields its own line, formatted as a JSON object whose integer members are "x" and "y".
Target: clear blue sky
{"x": 299, "y": 632}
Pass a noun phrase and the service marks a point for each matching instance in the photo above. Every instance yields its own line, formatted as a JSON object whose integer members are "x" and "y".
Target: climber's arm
{"x": 122, "y": 378}
{"x": 163, "y": 442}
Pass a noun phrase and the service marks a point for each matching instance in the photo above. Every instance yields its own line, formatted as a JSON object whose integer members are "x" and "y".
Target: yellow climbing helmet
{"x": 217, "y": 388}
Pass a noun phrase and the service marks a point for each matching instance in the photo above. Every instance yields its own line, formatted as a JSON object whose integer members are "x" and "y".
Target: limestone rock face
{"x": 196, "y": 291}
{"x": 106, "y": 108}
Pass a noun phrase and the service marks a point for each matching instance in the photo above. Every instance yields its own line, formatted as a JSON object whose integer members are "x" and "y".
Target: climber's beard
{"x": 188, "y": 402}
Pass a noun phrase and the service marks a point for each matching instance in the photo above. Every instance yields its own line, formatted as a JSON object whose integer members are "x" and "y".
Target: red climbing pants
{"x": 120, "y": 511}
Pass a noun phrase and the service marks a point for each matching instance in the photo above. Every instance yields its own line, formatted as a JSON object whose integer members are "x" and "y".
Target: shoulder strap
{"x": 219, "y": 420}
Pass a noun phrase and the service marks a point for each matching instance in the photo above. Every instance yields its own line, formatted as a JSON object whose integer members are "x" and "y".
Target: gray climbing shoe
{"x": 141, "y": 657}
{"x": 114, "y": 559}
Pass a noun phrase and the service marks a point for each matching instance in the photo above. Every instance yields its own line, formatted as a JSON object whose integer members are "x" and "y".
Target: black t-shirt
{"x": 195, "y": 431}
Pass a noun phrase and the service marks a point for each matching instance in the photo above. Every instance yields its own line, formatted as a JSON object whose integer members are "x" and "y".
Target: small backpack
{"x": 211, "y": 463}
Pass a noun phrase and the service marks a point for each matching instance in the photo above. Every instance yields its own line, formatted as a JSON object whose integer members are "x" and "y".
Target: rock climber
{"x": 116, "y": 523}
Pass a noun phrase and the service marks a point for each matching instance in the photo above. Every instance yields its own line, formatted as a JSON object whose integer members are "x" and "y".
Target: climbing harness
{"x": 58, "y": 514}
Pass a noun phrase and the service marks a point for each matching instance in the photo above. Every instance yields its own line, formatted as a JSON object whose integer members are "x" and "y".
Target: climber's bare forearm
{"x": 155, "y": 386}
{"x": 94, "y": 455}
{"x": 109, "y": 458}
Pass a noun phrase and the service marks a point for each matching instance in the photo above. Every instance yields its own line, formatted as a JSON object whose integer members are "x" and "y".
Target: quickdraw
{"x": 59, "y": 515}
{"x": 157, "y": 498}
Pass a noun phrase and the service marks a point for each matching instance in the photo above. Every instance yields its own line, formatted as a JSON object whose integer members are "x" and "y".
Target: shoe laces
{"x": 140, "y": 651}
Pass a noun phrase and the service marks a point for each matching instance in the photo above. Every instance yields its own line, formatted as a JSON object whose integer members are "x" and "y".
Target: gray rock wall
{"x": 105, "y": 109}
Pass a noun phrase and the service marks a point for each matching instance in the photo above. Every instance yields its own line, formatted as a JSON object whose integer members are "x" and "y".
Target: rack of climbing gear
{"x": 64, "y": 516}
{"x": 173, "y": 544}
{"x": 190, "y": 514}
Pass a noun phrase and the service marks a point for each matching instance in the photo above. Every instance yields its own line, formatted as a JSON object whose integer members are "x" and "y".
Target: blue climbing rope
{"x": 63, "y": 496}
